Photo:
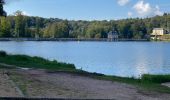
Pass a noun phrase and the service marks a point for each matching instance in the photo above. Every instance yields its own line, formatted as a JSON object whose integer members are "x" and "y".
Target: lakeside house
{"x": 158, "y": 33}
{"x": 112, "y": 35}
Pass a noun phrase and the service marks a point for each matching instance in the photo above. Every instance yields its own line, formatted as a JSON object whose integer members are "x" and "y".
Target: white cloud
{"x": 123, "y": 2}
{"x": 142, "y": 8}
{"x": 130, "y": 14}
{"x": 145, "y": 9}
{"x": 157, "y": 11}
{"x": 25, "y": 13}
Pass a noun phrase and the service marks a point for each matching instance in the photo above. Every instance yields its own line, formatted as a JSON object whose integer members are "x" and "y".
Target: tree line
{"x": 19, "y": 25}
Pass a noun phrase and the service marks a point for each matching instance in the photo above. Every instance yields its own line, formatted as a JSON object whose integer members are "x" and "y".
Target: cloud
{"x": 142, "y": 8}
{"x": 123, "y": 2}
{"x": 157, "y": 11}
{"x": 130, "y": 14}
{"x": 25, "y": 13}
{"x": 145, "y": 9}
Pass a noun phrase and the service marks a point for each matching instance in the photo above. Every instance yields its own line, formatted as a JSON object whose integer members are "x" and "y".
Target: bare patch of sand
{"x": 39, "y": 83}
{"x": 7, "y": 89}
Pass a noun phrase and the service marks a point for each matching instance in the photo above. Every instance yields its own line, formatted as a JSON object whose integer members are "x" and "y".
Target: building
{"x": 157, "y": 33}
{"x": 112, "y": 35}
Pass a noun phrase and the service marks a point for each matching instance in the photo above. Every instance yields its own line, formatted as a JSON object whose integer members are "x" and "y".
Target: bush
{"x": 3, "y": 54}
{"x": 156, "y": 78}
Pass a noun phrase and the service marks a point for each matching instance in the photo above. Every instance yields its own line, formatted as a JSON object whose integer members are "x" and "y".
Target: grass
{"x": 34, "y": 62}
{"x": 156, "y": 78}
{"x": 143, "y": 83}
{"x": 146, "y": 83}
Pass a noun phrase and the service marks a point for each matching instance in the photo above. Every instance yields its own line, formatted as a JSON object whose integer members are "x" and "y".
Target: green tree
{"x": 46, "y": 33}
{"x": 66, "y": 28}
{"x": 5, "y": 27}
{"x": 37, "y": 34}
{"x": 57, "y": 30}
{"x": 2, "y": 12}
{"x": 19, "y": 24}
{"x": 97, "y": 30}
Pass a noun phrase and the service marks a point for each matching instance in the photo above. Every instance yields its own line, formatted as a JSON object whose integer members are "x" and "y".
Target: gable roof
{"x": 158, "y": 29}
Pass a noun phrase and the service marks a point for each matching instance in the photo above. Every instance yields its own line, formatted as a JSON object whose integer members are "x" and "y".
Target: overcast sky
{"x": 89, "y": 9}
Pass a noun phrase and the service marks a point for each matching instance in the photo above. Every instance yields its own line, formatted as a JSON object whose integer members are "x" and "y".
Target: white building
{"x": 157, "y": 33}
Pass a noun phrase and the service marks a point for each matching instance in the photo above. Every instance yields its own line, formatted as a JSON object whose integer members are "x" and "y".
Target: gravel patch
{"x": 39, "y": 83}
{"x": 7, "y": 89}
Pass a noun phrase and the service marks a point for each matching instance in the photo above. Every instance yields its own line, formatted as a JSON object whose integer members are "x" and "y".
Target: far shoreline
{"x": 70, "y": 39}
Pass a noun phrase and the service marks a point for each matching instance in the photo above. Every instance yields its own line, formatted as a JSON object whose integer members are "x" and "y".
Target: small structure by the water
{"x": 112, "y": 35}
{"x": 157, "y": 33}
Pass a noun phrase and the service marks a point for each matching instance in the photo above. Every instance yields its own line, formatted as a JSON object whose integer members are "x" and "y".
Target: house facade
{"x": 157, "y": 33}
{"x": 112, "y": 35}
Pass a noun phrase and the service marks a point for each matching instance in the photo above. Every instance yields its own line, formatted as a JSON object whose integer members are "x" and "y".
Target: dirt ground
{"x": 7, "y": 88}
{"x": 38, "y": 83}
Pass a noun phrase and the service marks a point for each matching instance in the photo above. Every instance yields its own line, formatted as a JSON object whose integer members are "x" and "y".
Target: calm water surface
{"x": 111, "y": 58}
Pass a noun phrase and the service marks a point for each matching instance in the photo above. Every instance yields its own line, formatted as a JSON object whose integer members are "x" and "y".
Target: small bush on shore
{"x": 156, "y": 78}
{"x": 3, "y": 53}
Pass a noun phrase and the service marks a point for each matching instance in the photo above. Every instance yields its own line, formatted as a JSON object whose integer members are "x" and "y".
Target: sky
{"x": 89, "y": 9}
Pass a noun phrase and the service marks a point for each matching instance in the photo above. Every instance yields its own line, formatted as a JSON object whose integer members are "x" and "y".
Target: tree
{"x": 47, "y": 33}
{"x": 29, "y": 26}
{"x": 2, "y": 12}
{"x": 27, "y": 31}
{"x": 57, "y": 30}
{"x": 37, "y": 34}
{"x": 19, "y": 24}
{"x": 66, "y": 28}
{"x": 5, "y": 27}
{"x": 97, "y": 30}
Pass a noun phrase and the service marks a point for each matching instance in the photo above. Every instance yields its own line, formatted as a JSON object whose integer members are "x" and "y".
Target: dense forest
{"x": 20, "y": 25}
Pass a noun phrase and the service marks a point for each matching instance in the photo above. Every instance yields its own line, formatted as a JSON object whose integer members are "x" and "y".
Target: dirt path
{"x": 38, "y": 83}
{"x": 7, "y": 88}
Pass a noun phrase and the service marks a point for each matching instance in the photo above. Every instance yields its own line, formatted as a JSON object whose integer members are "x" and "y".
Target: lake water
{"x": 111, "y": 58}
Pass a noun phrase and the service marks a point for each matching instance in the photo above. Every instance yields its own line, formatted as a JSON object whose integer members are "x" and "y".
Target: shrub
{"x": 3, "y": 54}
{"x": 156, "y": 78}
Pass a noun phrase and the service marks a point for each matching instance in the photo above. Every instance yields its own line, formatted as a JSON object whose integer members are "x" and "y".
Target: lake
{"x": 124, "y": 59}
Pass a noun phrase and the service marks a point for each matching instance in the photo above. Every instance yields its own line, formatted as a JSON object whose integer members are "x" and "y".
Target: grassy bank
{"x": 146, "y": 83}
{"x": 34, "y": 62}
